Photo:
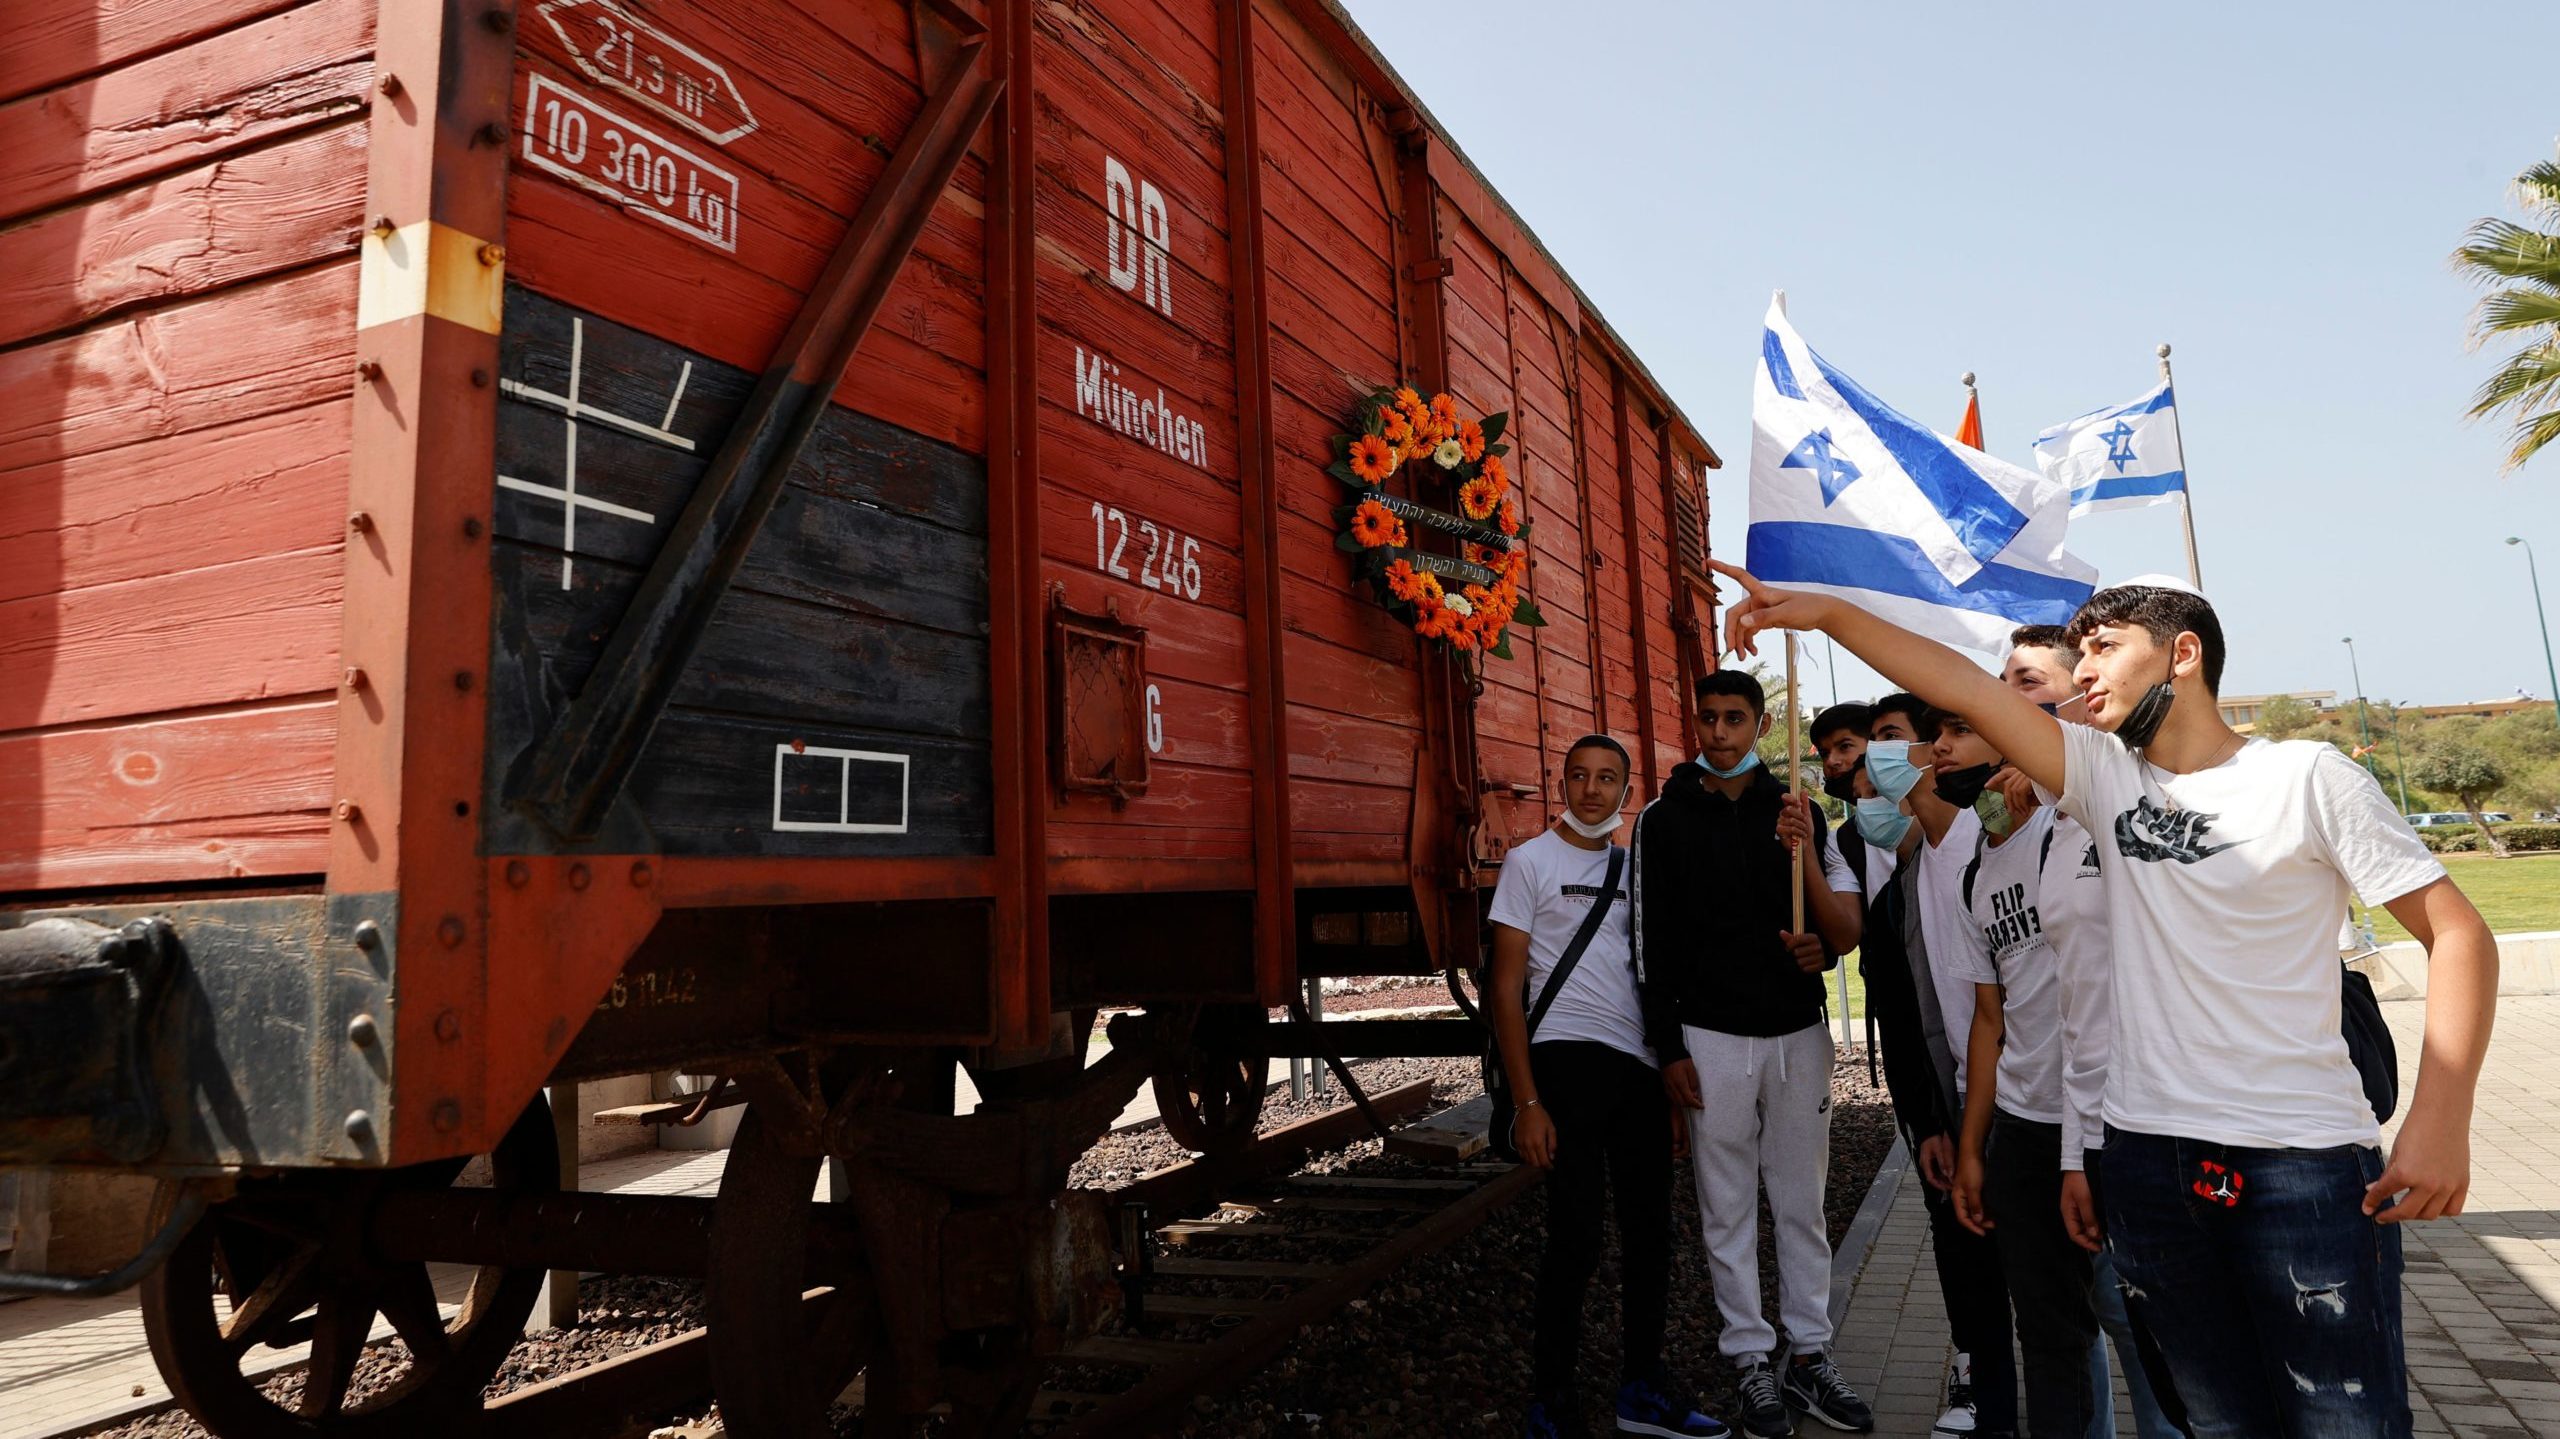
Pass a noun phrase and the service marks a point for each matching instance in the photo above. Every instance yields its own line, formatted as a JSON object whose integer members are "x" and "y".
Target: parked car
{"x": 2439, "y": 821}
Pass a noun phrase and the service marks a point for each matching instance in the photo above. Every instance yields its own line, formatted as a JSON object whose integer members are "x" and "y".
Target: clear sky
{"x": 2041, "y": 193}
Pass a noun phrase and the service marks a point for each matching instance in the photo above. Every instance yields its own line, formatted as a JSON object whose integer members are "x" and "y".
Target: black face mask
{"x": 1842, "y": 787}
{"x": 1963, "y": 786}
{"x": 2143, "y": 721}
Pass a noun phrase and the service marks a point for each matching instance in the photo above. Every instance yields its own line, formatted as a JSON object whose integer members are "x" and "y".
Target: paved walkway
{"x": 2482, "y": 1307}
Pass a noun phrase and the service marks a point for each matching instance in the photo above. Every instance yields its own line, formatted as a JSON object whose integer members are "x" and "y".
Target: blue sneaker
{"x": 1556, "y": 1419}
{"x": 1646, "y": 1407}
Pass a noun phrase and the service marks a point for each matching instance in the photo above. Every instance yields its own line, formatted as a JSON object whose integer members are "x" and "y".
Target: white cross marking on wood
{"x": 572, "y": 410}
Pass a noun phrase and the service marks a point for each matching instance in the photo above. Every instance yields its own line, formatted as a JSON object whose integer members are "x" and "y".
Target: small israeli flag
{"x": 2122, "y": 457}
{"x": 1851, "y": 496}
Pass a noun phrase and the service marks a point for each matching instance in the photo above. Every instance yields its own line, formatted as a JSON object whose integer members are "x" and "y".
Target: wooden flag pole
{"x": 1795, "y": 784}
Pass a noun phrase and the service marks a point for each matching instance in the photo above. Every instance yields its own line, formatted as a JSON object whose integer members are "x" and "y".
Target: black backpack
{"x": 1497, "y": 1080}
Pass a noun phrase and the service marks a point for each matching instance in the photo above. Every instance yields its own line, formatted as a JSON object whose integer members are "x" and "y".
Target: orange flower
{"x": 1463, "y": 637}
{"x": 1444, "y": 411}
{"x": 1508, "y": 517}
{"x": 1373, "y": 524}
{"x": 1481, "y": 554}
{"x": 1515, "y": 566}
{"x": 1407, "y": 399}
{"x": 1371, "y": 460}
{"x": 1478, "y": 497}
{"x": 1498, "y": 472}
{"x": 1433, "y": 621}
{"x": 1395, "y": 426}
{"x": 1426, "y": 588}
{"x": 1404, "y": 581}
{"x": 1471, "y": 439}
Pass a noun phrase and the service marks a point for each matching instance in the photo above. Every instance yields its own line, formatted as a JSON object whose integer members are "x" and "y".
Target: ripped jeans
{"x": 2274, "y": 1300}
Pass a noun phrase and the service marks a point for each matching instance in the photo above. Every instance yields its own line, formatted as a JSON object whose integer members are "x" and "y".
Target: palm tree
{"x": 2522, "y": 263}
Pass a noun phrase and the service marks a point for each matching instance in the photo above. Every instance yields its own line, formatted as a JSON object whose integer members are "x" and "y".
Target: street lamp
{"x": 2364, "y": 728}
{"x": 2548, "y": 669}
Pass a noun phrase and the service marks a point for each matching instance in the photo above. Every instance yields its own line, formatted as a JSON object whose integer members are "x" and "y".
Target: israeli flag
{"x": 1850, "y": 496}
{"x": 2122, "y": 457}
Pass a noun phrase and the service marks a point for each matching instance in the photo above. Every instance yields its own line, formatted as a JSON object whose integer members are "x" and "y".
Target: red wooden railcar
{"x": 545, "y": 538}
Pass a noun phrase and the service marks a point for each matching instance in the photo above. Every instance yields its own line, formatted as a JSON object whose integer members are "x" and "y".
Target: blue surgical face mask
{"x": 1890, "y": 766}
{"x": 1750, "y": 761}
{"x": 1882, "y": 821}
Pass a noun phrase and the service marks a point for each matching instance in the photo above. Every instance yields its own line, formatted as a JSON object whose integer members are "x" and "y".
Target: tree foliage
{"x": 2520, "y": 265}
{"x": 2468, "y": 772}
{"x": 2283, "y": 717}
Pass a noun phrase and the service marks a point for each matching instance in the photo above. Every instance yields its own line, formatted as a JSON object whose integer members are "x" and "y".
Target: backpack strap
{"x": 1974, "y": 865}
{"x": 1581, "y": 939}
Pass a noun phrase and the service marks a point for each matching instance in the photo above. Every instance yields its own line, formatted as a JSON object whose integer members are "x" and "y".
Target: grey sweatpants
{"x": 1767, "y": 1121}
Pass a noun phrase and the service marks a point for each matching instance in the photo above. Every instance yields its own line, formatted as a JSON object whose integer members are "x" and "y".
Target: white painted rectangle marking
{"x": 569, "y": 135}
{"x": 810, "y": 763}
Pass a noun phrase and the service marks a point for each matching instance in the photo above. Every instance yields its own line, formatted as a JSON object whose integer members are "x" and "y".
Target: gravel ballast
{"x": 1438, "y": 1349}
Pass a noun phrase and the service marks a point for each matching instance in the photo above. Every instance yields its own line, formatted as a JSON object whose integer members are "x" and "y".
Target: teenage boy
{"x": 1588, "y": 1104}
{"x": 1941, "y": 773}
{"x": 1919, "y": 1075}
{"x": 1733, "y": 1005}
{"x": 2246, "y": 1200}
{"x": 2039, "y": 1051}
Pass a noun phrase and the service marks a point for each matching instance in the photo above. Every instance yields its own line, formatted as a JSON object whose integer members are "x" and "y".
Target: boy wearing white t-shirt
{"x": 1587, "y": 1095}
{"x": 2246, "y": 1201}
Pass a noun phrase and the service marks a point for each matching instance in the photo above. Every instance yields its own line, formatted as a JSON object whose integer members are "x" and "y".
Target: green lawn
{"x": 2515, "y": 895}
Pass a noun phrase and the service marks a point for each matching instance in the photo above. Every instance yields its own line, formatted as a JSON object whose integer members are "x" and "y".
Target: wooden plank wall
{"x": 1128, "y": 96}
{"x": 181, "y": 194}
{"x": 858, "y": 620}
{"x": 1329, "y": 241}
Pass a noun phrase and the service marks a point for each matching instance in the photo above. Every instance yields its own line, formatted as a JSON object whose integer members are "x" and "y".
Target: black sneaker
{"x": 1757, "y": 1407}
{"x": 1813, "y": 1384}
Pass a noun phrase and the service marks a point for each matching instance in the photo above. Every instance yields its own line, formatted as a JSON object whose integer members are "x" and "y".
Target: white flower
{"x": 1449, "y": 456}
{"x": 1459, "y": 604}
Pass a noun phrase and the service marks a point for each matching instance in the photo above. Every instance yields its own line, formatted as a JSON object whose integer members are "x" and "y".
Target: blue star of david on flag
{"x": 1833, "y": 472}
{"x": 2119, "y": 445}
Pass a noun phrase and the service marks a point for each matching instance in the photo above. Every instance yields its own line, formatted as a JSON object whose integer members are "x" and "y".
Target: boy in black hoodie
{"x": 1733, "y": 1005}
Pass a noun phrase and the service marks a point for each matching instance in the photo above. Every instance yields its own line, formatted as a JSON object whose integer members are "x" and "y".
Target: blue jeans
{"x": 2149, "y": 1420}
{"x": 2274, "y": 1300}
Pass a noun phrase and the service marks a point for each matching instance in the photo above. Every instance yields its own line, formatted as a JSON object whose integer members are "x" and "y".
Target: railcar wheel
{"x": 291, "y": 1258}
{"x": 1211, "y": 1096}
{"x": 776, "y": 1367}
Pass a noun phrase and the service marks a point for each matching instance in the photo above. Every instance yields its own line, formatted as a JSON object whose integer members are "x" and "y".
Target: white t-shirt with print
{"x": 2014, "y": 947}
{"x": 1947, "y": 930}
{"x": 2075, "y": 915}
{"x": 2223, "y": 894}
{"x": 1546, "y": 891}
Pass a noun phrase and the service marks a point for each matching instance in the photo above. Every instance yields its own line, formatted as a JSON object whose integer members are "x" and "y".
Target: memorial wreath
{"x": 1465, "y": 595}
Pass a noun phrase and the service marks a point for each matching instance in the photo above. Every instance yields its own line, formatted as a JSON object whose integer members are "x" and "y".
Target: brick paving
{"x": 2481, "y": 1300}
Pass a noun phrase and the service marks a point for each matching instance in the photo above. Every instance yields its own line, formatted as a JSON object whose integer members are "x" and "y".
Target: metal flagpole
{"x": 2186, "y": 487}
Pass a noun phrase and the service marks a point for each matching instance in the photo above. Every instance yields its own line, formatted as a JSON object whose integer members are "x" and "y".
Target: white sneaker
{"x": 1959, "y": 1418}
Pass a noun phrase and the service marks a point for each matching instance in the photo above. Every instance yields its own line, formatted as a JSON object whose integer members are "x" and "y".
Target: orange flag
{"x": 1970, "y": 432}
